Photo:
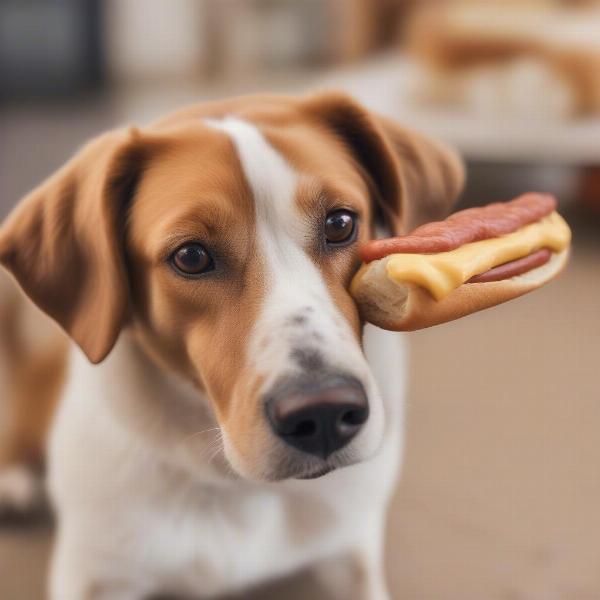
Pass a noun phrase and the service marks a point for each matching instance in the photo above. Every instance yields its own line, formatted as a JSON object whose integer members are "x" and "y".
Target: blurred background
{"x": 501, "y": 485}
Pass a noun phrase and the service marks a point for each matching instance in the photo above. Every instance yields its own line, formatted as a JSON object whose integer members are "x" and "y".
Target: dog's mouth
{"x": 316, "y": 474}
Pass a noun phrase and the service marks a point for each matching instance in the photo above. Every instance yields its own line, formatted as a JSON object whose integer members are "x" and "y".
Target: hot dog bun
{"x": 408, "y": 307}
{"x": 413, "y": 289}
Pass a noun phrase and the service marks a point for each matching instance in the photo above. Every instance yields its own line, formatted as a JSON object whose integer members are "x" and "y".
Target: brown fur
{"x": 34, "y": 353}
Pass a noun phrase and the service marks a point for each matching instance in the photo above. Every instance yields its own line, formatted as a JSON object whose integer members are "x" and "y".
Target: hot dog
{"x": 475, "y": 259}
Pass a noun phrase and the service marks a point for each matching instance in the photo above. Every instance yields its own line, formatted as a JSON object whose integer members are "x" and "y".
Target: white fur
{"x": 294, "y": 285}
{"x": 131, "y": 522}
{"x": 136, "y": 516}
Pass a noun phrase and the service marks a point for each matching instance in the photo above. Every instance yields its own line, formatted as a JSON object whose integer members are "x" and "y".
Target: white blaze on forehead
{"x": 270, "y": 177}
{"x": 294, "y": 284}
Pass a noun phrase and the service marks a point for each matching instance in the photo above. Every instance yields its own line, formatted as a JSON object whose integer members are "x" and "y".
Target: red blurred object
{"x": 588, "y": 194}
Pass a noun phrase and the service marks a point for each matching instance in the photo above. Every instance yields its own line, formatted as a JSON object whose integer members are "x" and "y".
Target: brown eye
{"x": 192, "y": 259}
{"x": 340, "y": 227}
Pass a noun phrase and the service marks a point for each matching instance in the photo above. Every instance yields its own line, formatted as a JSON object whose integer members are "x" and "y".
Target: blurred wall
{"x": 48, "y": 48}
{"x": 137, "y": 45}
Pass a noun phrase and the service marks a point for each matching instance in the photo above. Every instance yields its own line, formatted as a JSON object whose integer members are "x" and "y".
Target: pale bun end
{"x": 408, "y": 307}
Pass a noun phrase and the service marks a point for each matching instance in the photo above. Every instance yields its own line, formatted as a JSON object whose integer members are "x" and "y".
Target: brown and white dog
{"x": 239, "y": 426}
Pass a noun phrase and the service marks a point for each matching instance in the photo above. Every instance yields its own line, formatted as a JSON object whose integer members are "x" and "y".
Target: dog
{"x": 243, "y": 422}
{"x": 33, "y": 355}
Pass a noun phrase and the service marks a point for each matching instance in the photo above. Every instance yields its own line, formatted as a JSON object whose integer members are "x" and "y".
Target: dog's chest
{"x": 224, "y": 539}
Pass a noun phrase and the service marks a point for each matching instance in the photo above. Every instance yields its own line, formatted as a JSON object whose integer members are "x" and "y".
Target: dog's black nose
{"x": 319, "y": 418}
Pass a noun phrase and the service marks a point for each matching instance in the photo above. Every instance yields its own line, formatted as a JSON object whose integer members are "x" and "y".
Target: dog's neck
{"x": 166, "y": 413}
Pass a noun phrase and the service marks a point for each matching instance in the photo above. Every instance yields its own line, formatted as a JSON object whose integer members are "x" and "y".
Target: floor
{"x": 501, "y": 485}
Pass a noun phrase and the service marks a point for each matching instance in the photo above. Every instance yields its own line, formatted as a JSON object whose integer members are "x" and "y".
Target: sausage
{"x": 464, "y": 227}
{"x": 514, "y": 267}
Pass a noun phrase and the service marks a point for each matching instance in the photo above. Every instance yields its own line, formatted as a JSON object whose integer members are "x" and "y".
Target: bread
{"x": 399, "y": 306}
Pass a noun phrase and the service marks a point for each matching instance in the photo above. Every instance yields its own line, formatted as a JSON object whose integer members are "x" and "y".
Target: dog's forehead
{"x": 216, "y": 168}
{"x": 296, "y": 162}
{"x": 271, "y": 179}
{"x": 259, "y": 159}
{"x": 195, "y": 181}
{"x": 227, "y": 173}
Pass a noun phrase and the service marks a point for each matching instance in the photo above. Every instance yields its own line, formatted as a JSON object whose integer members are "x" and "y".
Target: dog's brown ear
{"x": 63, "y": 242}
{"x": 416, "y": 179}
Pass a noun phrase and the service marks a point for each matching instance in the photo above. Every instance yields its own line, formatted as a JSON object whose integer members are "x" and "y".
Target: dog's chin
{"x": 302, "y": 474}
{"x": 290, "y": 465}
{"x": 317, "y": 473}
{"x": 310, "y": 470}
{"x": 289, "y": 472}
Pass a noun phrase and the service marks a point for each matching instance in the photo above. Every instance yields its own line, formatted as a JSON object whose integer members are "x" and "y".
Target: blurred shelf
{"x": 384, "y": 85}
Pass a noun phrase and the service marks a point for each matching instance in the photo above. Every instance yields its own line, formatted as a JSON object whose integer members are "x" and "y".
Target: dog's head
{"x": 224, "y": 238}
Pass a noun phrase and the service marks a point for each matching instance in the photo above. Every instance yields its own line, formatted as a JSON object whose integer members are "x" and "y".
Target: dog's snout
{"x": 319, "y": 418}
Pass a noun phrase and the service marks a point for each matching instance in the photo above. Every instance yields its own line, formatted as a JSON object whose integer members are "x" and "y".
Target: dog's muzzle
{"x": 318, "y": 416}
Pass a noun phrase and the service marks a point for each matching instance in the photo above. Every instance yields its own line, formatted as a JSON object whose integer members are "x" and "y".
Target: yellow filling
{"x": 442, "y": 273}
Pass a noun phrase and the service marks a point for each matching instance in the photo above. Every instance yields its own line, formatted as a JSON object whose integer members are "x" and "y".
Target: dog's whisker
{"x": 198, "y": 433}
{"x": 215, "y": 453}
{"x": 212, "y": 448}
{"x": 209, "y": 444}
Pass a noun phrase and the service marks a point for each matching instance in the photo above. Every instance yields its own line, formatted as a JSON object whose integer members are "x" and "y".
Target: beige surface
{"x": 501, "y": 493}
{"x": 501, "y": 490}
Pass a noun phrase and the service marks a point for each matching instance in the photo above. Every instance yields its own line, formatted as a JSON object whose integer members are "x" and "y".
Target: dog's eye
{"x": 340, "y": 227}
{"x": 192, "y": 259}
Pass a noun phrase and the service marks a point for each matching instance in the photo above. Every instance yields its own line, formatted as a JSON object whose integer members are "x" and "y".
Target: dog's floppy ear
{"x": 63, "y": 242}
{"x": 416, "y": 179}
